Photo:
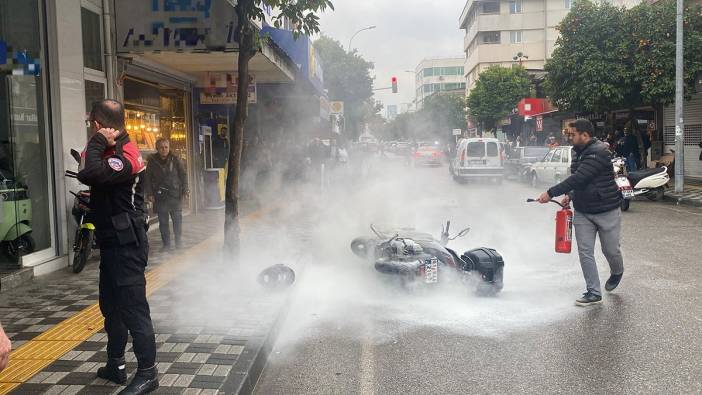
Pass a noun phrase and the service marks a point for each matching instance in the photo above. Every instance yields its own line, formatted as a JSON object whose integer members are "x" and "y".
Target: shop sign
{"x": 337, "y": 107}
{"x": 539, "y": 123}
{"x": 167, "y": 25}
{"x": 221, "y": 88}
{"x": 457, "y": 132}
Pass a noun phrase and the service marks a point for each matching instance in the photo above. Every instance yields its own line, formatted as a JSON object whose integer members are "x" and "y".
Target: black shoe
{"x": 613, "y": 281}
{"x": 588, "y": 299}
{"x": 114, "y": 371}
{"x": 144, "y": 381}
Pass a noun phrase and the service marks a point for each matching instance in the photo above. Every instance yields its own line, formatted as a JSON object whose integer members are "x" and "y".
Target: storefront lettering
{"x": 175, "y": 25}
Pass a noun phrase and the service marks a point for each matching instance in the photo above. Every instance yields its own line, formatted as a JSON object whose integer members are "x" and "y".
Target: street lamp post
{"x": 354, "y": 35}
{"x": 679, "y": 91}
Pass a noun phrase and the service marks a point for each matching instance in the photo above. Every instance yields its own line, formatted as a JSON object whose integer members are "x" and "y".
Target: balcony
{"x": 503, "y": 22}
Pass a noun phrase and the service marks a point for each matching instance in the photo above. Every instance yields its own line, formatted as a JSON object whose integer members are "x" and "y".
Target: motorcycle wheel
{"x": 23, "y": 245}
{"x": 84, "y": 246}
{"x": 656, "y": 194}
{"x": 625, "y": 204}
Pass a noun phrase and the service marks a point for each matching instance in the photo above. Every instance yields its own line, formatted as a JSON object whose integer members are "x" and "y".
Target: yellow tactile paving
{"x": 38, "y": 353}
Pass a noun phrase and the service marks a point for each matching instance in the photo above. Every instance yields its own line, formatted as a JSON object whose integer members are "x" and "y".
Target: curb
{"x": 253, "y": 359}
{"x": 682, "y": 200}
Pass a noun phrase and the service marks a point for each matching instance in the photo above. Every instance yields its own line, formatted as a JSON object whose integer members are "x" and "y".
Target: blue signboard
{"x": 301, "y": 52}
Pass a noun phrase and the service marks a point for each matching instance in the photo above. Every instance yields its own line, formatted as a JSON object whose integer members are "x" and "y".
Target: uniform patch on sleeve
{"x": 115, "y": 164}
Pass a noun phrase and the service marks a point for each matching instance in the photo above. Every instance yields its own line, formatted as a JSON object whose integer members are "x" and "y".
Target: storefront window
{"x": 25, "y": 198}
{"x": 153, "y": 112}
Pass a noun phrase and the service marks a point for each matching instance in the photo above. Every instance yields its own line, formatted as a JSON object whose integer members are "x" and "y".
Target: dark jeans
{"x": 123, "y": 302}
{"x": 175, "y": 212}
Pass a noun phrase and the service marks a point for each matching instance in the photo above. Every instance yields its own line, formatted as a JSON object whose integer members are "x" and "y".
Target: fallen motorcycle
{"x": 419, "y": 259}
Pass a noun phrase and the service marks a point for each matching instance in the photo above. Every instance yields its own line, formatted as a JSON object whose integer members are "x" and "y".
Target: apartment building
{"x": 497, "y": 31}
{"x": 438, "y": 75}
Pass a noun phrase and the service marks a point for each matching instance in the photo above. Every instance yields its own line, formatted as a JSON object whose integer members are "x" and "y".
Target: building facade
{"x": 438, "y": 75}
{"x": 496, "y": 31}
{"x": 174, "y": 67}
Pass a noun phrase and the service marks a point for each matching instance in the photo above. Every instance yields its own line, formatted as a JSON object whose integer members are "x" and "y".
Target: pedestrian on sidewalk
{"x": 5, "y": 348}
{"x": 113, "y": 167}
{"x": 596, "y": 198}
{"x": 166, "y": 188}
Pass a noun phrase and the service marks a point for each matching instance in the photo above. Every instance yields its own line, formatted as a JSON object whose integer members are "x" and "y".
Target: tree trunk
{"x": 232, "y": 242}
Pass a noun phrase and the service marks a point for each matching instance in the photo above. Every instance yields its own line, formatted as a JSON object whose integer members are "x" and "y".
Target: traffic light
{"x": 394, "y": 84}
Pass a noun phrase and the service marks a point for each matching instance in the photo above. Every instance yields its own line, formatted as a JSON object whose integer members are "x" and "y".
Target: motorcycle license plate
{"x": 628, "y": 193}
{"x": 623, "y": 183}
{"x": 431, "y": 271}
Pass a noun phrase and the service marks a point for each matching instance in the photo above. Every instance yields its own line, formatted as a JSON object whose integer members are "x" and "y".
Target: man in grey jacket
{"x": 597, "y": 199}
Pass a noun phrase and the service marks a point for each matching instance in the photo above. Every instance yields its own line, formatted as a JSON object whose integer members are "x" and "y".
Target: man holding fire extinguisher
{"x": 596, "y": 198}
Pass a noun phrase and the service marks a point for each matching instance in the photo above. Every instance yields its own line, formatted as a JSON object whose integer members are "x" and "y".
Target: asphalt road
{"x": 349, "y": 331}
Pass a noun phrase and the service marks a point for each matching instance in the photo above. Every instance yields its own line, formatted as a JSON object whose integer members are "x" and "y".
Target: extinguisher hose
{"x": 552, "y": 201}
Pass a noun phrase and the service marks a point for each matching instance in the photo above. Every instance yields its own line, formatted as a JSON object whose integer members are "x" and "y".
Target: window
{"x": 556, "y": 156}
{"x": 515, "y": 37}
{"x": 476, "y": 150}
{"x": 491, "y": 37}
{"x": 428, "y": 72}
{"x": 92, "y": 39}
{"x": 436, "y": 87}
{"x": 94, "y": 91}
{"x": 492, "y": 7}
{"x": 565, "y": 158}
{"x": 427, "y": 88}
{"x": 492, "y": 149}
{"x": 548, "y": 156}
{"x": 515, "y": 6}
{"x": 567, "y": 4}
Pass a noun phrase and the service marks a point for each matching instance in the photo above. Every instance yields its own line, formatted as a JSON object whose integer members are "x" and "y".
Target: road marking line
{"x": 367, "y": 359}
{"x": 35, "y": 355}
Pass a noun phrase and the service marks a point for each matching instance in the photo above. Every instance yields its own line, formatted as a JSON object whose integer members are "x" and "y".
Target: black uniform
{"x": 117, "y": 204}
{"x": 167, "y": 182}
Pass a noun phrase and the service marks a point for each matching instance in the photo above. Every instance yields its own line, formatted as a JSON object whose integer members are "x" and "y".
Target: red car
{"x": 428, "y": 156}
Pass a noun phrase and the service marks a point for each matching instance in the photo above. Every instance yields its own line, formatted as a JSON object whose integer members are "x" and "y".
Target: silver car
{"x": 553, "y": 168}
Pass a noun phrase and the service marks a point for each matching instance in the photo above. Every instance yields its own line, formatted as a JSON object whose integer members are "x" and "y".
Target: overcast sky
{"x": 407, "y": 31}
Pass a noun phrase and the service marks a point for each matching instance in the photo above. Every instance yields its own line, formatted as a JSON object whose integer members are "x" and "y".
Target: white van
{"x": 478, "y": 158}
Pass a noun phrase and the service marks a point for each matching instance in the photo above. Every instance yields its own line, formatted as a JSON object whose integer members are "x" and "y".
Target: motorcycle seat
{"x": 636, "y": 176}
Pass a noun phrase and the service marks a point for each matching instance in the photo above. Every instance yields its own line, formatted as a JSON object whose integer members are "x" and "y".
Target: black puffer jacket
{"x": 592, "y": 180}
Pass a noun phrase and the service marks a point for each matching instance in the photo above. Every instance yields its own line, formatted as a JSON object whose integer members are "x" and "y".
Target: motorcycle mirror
{"x": 463, "y": 232}
{"x": 76, "y": 155}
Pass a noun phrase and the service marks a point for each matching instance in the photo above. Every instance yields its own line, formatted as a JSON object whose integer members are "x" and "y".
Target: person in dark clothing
{"x": 597, "y": 199}
{"x": 112, "y": 166}
{"x": 630, "y": 149}
{"x": 167, "y": 186}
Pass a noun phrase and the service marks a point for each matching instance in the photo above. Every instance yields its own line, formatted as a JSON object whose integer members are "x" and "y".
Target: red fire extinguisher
{"x": 564, "y": 228}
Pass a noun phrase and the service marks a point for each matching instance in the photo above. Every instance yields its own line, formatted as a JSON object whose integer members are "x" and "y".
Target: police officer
{"x": 112, "y": 167}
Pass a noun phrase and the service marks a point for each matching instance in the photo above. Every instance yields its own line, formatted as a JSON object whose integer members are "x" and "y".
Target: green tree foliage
{"x": 440, "y": 113}
{"x": 591, "y": 67}
{"x": 497, "y": 92}
{"x": 652, "y": 29}
{"x": 347, "y": 76}
{"x": 303, "y": 17}
{"x": 608, "y": 57}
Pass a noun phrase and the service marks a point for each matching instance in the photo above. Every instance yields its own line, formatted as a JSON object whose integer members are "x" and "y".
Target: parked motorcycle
{"x": 417, "y": 258}
{"x": 15, "y": 227}
{"x": 650, "y": 183}
{"x": 84, "y": 241}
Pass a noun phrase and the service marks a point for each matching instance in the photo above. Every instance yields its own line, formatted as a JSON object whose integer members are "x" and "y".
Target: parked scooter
{"x": 84, "y": 240}
{"x": 650, "y": 183}
{"x": 16, "y": 211}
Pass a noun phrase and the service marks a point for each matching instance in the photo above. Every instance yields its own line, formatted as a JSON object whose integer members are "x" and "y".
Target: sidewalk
{"x": 692, "y": 195}
{"x": 210, "y": 338}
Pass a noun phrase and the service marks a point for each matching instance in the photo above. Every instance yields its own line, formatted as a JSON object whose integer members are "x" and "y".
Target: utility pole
{"x": 679, "y": 122}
